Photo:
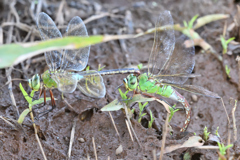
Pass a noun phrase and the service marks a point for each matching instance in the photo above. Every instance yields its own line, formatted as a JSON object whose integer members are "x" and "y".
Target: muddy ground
{"x": 55, "y": 128}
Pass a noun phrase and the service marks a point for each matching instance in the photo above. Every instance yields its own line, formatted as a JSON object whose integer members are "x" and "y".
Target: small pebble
{"x": 119, "y": 150}
{"x": 81, "y": 140}
{"x": 194, "y": 98}
{"x": 66, "y": 138}
{"x": 99, "y": 147}
{"x": 49, "y": 154}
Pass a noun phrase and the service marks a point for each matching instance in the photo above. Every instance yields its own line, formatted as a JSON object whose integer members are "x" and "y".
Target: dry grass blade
{"x": 94, "y": 147}
{"x": 114, "y": 124}
{"x": 154, "y": 154}
{"x": 165, "y": 128}
{"x": 129, "y": 130}
{"x": 129, "y": 122}
{"x": 72, "y": 138}
{"x": 8, "y": 122}
{"x": 207, "y": 147}
{"x": 164, "y": 104}
{"x": 238, "y": 61}
{"x": 225, "y": 111}
{"x": 209, "y": 18}
{"x": 234, "y": 122}
{"x": 95, "y": 17}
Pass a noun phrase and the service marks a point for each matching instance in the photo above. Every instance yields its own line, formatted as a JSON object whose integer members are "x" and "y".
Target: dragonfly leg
{"x": 178, "y": 97}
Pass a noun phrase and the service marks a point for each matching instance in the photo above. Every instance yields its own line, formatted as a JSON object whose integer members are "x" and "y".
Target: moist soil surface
{"x": 83, "y": 113}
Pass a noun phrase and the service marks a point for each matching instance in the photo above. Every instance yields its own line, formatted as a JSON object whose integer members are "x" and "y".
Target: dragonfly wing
{"x": 164, "y": 41}
{"x": 196, "y": 90}
{"x": 76, "y": 59}
{"x": 66, "y": 82}
{"x": 48, "y": 30}
{"x": 181, "y": 62}
{"x": 91, "y": 84}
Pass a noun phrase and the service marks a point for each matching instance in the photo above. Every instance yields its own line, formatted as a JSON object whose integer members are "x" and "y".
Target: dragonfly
{"x": 66, "y": 66}
{"x": 170, "y": 64}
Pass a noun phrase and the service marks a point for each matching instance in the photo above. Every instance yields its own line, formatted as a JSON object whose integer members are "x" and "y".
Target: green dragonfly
{"x": 170, "y": 64}
{"x": 65, "y": 66}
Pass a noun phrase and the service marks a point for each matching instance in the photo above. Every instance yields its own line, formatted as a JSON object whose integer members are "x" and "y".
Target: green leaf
{"x": 190, "y": 24}
{"x": 113, "y": 106}
{"x": 139, "y": 98}
{"x": 100, "y": 68}
{"x": 12, "y": 54}
{"x": 230, "y": 39}
{"x": 209, "y": 18}
{"x": 140, "y": 66}
{"x": 23, "y": 115}
{"x": 26, "y": 96}
{"x": 41, "y": 100}
{"x": 227, "y": 70}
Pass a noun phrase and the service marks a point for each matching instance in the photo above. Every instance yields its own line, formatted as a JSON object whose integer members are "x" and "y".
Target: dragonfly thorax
{"x": 130, "y": 82}
{"x": 34, "y": 82}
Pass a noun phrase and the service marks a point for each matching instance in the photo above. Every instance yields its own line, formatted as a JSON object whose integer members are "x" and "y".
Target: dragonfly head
{"x": 34, "y": 82}
{"x": 130, "y": 82}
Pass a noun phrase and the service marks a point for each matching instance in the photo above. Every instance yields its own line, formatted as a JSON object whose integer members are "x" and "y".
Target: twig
{"x": 129, "y": 130}
{"x": 36, "y": 135}
{"x": 234, "y": 122}
{"x": 94, "y": 147}
{"x": 8, "y": 122}
{"x": 238, "y": 61}
{"x": 72, "y": 138}
{"x": 225, "y": 111}
{"x": 114, "y": 123}
{"x": 165, "y": 130}
{"x": 154, "y": 154}
{"x": 129, "y": 122}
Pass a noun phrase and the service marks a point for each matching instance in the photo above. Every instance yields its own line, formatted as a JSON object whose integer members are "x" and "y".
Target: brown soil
{"x": 55, "y": 128}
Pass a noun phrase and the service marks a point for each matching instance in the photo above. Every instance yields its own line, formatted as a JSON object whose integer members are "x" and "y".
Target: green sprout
{"x": 30, "y": 103}
{"x": 206, "y": 134}
{"x": 100, "y": 68}
{"x": 216, "y": 133}
{"x": 225, "y": 43}
{"x": 141, "y": 107}
{"x": 227, "y": 69}
{"x": 223, "y": 149}
{"x": 172, "y": 111}
{"x": 151, "y": 120}
{"x": 140, "y": 66}
{"x": 189, "y": 25}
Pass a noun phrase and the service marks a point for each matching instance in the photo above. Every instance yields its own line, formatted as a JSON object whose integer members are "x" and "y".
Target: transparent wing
{"x": 48, "y": 30}
{"x": 195, "y": 89}
{"x": 91, "y": 84}
{"x": 76, "y": 59}
{"x": 66, "y": 82}
{"x": 181, "y": 63}
{"x": 163, "y": 45}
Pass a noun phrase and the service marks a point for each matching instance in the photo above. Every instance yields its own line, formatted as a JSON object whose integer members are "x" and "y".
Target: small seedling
{"x": 222, "y": 148}
{"x": 206, "y": 134}
{"x": 30, "y": 103}
{"x": 140, "y": 66}
{"x": 100, "y": 68}
{"x": 216, "y": 133}
{"x": 189, "y": 25}
{"x": 141, "y": 107}
{"x": 151, "y": 120}
{"x": 172, "y": 111}
{"x": 225, "y": 43}
{"x": 227, "y": 69}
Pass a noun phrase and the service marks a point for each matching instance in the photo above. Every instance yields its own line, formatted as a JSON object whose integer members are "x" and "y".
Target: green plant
{"x": 222, "y": 148}
{"x": 141, "y": 107}
{"x": 140, "y": 66}
{"x": 206, "y": 134}
{"x": 100, "y": 67}
{"x": 216, "y": 133}
{"x": 225, "y": 43}
{"x": 151, "y": 120}
{"x": 227, "y": 69}
{"x": 30, "y": 103}
{"x": 172, "y": 111}
{"x": 189, "y": 24}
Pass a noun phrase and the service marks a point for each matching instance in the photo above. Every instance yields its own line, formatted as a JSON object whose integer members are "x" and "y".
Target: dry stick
{"x": 154, "y": 154}
{"x": 129, "y": 122}
{"x": 88, "y": 158}
{"x": 234, "y": 122}
{"x": 165, "y": 128}
{"x": 35, "y": 132}
{"x": 8, "y": 122}
{"x": 8, "y": 71}
{"x": 72, "y": 138}
{"x": 60, "y": 19}
{"x": 94, "y": 147}
{"x": 129, "y": 130}
{"x": 238, "y": 60}
{"x": 114, "y": 124}
{"x": 225, "y": 111}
